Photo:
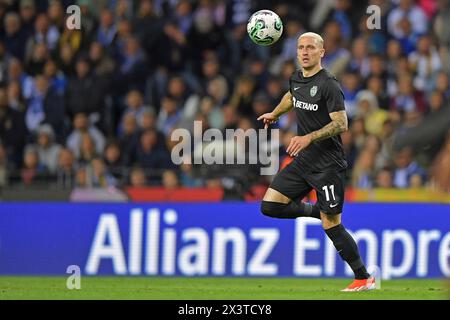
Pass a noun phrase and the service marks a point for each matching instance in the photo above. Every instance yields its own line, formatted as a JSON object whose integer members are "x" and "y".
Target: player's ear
{"x": 322, "y": 52}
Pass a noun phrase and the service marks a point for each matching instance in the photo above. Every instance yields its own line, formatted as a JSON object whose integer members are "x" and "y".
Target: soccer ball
{"x": 264, "y": 27}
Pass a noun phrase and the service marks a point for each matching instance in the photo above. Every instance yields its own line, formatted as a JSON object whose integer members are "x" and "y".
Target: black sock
{"x": 348, "y": 250}
{"x": 291, "y": 210}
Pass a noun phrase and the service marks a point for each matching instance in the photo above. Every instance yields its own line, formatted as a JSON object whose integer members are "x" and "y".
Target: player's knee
{"x": 269, "y": 208}
{"x": 329, "y": 220}
{"x": 272, "y": 209}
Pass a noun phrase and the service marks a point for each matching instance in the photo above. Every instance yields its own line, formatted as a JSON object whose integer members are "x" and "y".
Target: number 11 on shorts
{"x": 327, "y": 193}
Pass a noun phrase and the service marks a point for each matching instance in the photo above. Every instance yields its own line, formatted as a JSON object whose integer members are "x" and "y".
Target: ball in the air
{"x": 264, "y": 27}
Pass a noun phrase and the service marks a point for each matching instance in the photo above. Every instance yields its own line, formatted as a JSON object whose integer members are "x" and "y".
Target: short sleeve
{"x": 333, "y": 96}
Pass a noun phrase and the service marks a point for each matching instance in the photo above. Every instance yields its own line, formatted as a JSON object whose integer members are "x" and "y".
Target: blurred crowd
{"x": 96, "y": 107}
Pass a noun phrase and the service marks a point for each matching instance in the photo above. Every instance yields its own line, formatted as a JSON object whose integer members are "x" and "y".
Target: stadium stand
{"x": 95, "y": 108}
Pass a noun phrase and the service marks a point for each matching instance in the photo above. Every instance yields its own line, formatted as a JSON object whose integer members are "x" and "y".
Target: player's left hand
{"x": 297, "y": 144}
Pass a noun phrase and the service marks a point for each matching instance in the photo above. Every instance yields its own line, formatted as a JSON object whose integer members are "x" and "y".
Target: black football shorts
{"x": 295, "y": 183}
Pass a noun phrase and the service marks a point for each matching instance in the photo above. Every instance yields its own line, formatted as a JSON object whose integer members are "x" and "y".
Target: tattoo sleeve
{"x": 337, "y": 125}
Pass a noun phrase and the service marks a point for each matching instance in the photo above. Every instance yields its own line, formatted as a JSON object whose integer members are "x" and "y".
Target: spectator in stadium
{"x": 186, "y": 101}
{"x": 32, "y": 169}
{"x": 149, "y": 154}
{"x": 4, "y": 61}
{"x": 66, "y": 60}
{"x": 377, "y": 66}
{"x": 274, "y": 89}
{"x": 46, "y": 148}
{"x": 169, "y": 115}
{"x": 424, "y": 62}
{"x": 351, "y": 86}
{"x": 376, "y": 86}
{"x": 408, "y": 39}
{"x": 363, "y": 170}
{"x": 359, "y": 133}
{"x": 83, "y": 127}
{"x": 34, "y": 64}
{"x": 204, "y": 36}
{"x": 87, "y": 150}
{"x": 15, "y": 37}
{"x": 442, "y": 85}
{"x": 134, "y": 104}
{"x": 407, "y": 99}
{"x": 84, "y": 92}
{"x": 359, "y": 62}
{"x": 13, "y": 131}
{"x": 172, "y": 40}
{"x": 138, "y": 178}
{"x": 188, "y": 179}
{"x": 107, "y": 29}
{"x": 384, "y": 178}
{"x": 349, "y": 148}
{"x": 230, "y": 117}
{"x": 55, "y": 13}
{"x": 257, "y": 69}
{"x": 337, "y": 57}
{"x": 394, "y": 52}
{"x": 129, "y": 138}
{"x": 71, "y": 37}
{"x": 405, "y": 168}
{"x": 376, "y": 38}
{"x": 15, "y": 98}
{"x": 43, "y": 33}
{"x": 89, "y": 22}
{"x": 66, "y": 169}
{"x": 123, "y": 9}
{"x": 242, "y": 96}
{"x": 170, "y": 180}
{"x": 27, "y": 11}
{"x": 112, "y": 158}
{"x": 148, "y": 25}
{"x": 99, "y": 176}
{"x": 16, "y": 73}
{"x": 102, "y": 64}
{"x": 132, "y": 69}
{"x": 217, "y": 89}
{"x": 408, "y": 10}
{"x": 147, "y": 119}
{"x": 45, "y": 105}
{"x": 287, "y": 69}
{"x": 124, "y": 32}
{"x": 436, "y": 102}
{"x": 57, "y": 79}
{"x": 81, "y": 178}
{"x": 260, "y": 106}
{"x": 367, "y": 108}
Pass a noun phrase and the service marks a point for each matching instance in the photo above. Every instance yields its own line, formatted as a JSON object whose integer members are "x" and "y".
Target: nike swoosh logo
{"x": 333, "y": 205}
{"x": 296, "y": 88}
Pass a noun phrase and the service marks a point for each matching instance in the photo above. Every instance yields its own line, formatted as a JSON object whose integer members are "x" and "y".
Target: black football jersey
{"x": 314, "y": 98}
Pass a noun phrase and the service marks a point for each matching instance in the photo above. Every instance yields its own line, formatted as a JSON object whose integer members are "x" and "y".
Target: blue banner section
{"x": 217, "y": 239}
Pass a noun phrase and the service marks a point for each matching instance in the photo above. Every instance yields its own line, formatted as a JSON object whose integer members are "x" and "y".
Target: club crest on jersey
{"x": 313, "y": 91}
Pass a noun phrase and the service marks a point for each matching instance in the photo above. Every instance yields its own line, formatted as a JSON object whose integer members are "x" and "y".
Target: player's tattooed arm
{"x": 284, "y": 106}
{"x": 338, "y": 124}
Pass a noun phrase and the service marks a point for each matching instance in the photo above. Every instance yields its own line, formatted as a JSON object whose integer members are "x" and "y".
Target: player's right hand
{"x": 268, "y": 119}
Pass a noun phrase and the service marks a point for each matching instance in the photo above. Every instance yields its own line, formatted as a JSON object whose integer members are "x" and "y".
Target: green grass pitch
{"x": 156, "y": 288}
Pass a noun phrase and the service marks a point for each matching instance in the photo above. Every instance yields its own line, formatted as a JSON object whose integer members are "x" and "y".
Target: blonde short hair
{"x": 314, "y": 35}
